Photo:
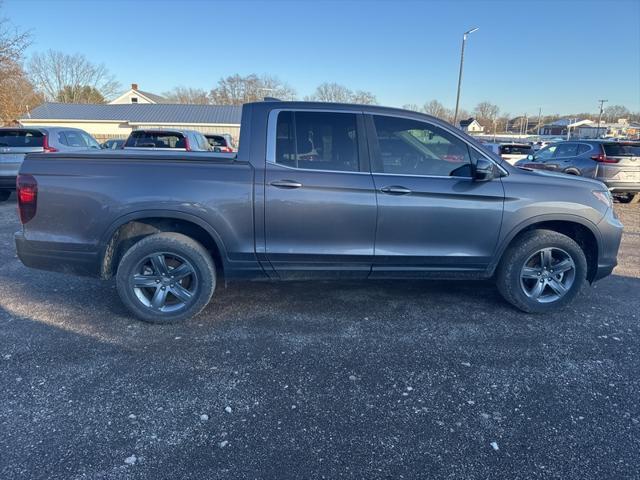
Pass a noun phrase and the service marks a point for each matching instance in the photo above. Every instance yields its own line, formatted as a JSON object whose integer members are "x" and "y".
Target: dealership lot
{"x": 319, "y": 380}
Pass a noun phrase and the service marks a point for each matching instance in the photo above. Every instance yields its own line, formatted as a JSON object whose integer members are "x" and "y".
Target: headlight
{"x": 604, "y": 196}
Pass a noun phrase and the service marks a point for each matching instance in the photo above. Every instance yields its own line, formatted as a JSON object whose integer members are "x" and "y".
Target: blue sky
{"x": 559, "y": 55}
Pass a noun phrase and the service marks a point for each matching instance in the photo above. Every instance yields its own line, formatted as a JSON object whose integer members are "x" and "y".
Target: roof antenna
{"x": 271, "y": 99}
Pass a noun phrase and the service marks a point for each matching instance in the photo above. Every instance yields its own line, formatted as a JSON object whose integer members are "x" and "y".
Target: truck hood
{"x": 563, "y": 178}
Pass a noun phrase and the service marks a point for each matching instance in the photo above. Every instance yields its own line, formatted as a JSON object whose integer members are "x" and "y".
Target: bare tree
{"x": 331, "y": 92}
{"x": 196, "y": 96}
{"x": 334, "y": 92}
{"x": 613, "y": 112}
{"x": 16, "y": 92}
{"x": 362, "y": 97}
{"x": 435, "y": 108}
{"x": 236, "y": 90}
{"x": 52, "y": 71}
{"x": 411, "y": 106}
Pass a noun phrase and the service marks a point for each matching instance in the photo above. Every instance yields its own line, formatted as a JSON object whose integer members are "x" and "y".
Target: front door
{"x": 432, "y": 215}
{"x": 320, "y": 203}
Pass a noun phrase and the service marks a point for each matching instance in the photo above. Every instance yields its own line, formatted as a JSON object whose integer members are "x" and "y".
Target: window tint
{"x": 546, "y": 153}
{"x": 583, "y": 148}
{"x": 74, "y": 139}
{"x": 146, "y": 139}
{"x": 622, "y": 149}
{"x": 567, "y": 150}
{"x": 62, "y": 139}
{"x": 317, "y": 141}
{"x": 416, "y": 148}
{"x": 20, "y": 138}
{"x": 516, "y": 149}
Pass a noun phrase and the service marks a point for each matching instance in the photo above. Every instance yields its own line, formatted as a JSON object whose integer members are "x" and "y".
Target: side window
{"x": 89, "y": 140}
{"x": 74, "y": 139}
{"x": 317, "y": 141}
{"x": 567, "y": 150}
{"x": 411, "y": 147}
{"x": 62, "y": 138}
{"x": 583, "y": 148}
{"x": 546, "y": 153}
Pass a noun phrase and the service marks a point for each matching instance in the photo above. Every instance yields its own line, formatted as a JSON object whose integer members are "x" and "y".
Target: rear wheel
{"x": 166, "y": 278}
{"x": 544, "y": 270}
{"x": 4, "y": 195}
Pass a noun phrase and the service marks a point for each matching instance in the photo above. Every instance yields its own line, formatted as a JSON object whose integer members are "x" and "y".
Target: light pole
{"x": 464, "y": 40}
{"x": 602, "y": 102}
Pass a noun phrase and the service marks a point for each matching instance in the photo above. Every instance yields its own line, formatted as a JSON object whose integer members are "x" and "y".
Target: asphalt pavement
{"x": 366, "y": 380}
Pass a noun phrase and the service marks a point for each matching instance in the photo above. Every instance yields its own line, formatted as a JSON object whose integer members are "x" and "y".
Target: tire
{"x": 4, "y": 195}
{"x": 146, "y": 283}
{"x": 626, "y": 198}
{"x": 522, "y": 274}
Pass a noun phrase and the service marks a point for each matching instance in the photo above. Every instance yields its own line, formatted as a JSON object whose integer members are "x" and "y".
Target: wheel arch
{"x": 581, "y": 230}
{"x": 133, "y": 227}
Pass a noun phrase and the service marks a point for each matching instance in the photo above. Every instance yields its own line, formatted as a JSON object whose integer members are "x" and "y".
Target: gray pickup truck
{"x": 316, "y": 190}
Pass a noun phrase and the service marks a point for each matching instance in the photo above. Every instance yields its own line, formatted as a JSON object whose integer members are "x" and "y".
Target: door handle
{"x": 285, "y": 184}
{"x": 395, "y": 190}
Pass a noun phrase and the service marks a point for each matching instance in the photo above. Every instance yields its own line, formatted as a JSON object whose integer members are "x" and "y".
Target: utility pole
{"x": 602, "y": 102}
{"x": 539, "y": 118}
{"x": 464, "y": 41}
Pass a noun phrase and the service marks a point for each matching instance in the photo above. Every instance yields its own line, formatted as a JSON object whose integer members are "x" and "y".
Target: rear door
{"x": 320, "y": 203}
{"x": 564, "y": 156}
{"x": 431, "y": 214}
{"x": 14, "y": 145}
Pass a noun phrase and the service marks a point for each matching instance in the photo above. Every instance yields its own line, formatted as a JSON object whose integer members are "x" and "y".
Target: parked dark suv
{"x": 617, "y": 164}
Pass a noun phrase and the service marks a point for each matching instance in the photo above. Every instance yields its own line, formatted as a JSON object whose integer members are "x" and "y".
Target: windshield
{"x": 21, "y": 138}
{"x": 622, "y": 149}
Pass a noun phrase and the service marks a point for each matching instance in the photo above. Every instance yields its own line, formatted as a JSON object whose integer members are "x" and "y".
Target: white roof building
{"x": 135, "y": 95}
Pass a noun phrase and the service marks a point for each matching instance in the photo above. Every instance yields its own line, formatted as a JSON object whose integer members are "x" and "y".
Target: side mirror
{"x": 531, "y": 158}
{"x": 484, "y": 170}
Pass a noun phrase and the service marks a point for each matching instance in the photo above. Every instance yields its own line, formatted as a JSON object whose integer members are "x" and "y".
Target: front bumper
{"x": 56, "y": 257}
{"x": 610, "y": 236}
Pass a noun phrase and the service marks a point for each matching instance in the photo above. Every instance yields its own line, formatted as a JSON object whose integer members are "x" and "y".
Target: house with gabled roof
{"x": 135, "y": 95}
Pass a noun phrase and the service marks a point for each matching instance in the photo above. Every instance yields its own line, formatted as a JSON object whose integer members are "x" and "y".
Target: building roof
{"x": 152, "y": 96}
{"x": 467, "y": 122}
{"x": 139, "y": 113}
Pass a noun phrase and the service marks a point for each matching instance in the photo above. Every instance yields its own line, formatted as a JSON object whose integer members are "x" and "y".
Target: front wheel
{"x": 165, "y": 278}
{"x": 544, "y": 270}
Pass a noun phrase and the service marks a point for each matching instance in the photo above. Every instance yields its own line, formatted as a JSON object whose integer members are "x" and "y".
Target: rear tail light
{"x": 187, "y": 147}
{"x": 601, "y": 157}
{"x": 45, "y": 145}
{"x": 27, "y": 193}
{"x": 226, "y": 150}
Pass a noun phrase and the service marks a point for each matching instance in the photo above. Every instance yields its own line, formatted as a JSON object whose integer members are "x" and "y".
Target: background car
{"x": 113, "y": 144}
{"x": 511, "y": 152}
{"x": 186, "y": 140}
{"x": 16, "y": 142}
{"x": 615, "y": 163}
{"x": 221, "y": 142}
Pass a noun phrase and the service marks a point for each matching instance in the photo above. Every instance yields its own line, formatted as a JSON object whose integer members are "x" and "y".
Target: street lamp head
{"x": 472, "y": 30}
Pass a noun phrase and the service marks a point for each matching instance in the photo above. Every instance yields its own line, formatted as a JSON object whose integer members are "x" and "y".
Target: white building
{"x": 471, "y": 126}
{"x": 135, "y": 95}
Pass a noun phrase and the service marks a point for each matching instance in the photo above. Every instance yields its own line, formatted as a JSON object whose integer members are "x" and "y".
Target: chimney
{"x": 134, "y": 86}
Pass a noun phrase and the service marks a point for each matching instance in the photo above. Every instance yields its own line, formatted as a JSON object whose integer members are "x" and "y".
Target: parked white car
{"x": 511, "y": 152}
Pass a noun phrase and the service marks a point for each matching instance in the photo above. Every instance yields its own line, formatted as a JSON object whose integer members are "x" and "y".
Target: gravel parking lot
{"x": 319, "y": 380}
